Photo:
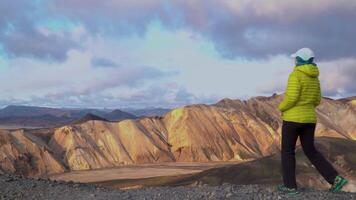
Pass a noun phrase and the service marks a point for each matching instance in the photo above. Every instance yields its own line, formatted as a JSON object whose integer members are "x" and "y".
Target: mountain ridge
{"x": 228, "y": 130}
{"x": 46, "y": 117}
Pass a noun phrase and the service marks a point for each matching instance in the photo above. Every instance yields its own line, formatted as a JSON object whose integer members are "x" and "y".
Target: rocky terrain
{"x": 230, "y": 130}
{"x": 19, "y": 187}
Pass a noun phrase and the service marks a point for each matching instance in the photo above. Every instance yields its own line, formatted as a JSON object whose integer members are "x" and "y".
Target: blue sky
{"x": 113, "y": 54}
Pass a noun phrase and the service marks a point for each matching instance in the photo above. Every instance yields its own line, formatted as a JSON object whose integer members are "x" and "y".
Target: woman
{"x": 299, "y": 119}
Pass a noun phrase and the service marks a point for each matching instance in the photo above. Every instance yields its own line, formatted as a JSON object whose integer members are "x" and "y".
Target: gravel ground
{"x": 18, "y": 187}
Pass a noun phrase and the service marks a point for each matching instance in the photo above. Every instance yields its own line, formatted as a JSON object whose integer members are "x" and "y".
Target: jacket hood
{"x": 308, "y": 69}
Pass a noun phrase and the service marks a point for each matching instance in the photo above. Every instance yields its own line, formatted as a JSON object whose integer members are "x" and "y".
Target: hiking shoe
{"x": 339, "y": 182}
{"x": 286, "y": 190}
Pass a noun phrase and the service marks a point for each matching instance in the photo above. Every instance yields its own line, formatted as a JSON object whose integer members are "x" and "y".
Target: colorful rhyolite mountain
{"x": 229, "y": 130}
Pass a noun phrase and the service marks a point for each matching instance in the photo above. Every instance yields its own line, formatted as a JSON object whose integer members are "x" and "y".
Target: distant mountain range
{"x": 230, "y": 130}
{"x": 89, "y": 117}
{"x": 44, "y": 117}
{"x": 148, "y": 112}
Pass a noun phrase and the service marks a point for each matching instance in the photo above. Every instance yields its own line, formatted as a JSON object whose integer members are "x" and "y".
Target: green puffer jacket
{"x": 302, "y": 95}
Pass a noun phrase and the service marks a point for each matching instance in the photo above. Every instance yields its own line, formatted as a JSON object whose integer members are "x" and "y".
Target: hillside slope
{"x": 267, "y": 170}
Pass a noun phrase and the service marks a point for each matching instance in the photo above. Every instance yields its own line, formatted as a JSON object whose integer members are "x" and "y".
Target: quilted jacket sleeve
{"x": 292, "y": 93}
{"x": 317, "y": 102}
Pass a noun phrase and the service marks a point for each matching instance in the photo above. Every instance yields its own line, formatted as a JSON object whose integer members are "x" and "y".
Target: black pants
{"x": 290, "y": 133}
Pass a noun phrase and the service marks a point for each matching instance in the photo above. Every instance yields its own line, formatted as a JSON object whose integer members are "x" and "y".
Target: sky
{"x": 159, "y": 53}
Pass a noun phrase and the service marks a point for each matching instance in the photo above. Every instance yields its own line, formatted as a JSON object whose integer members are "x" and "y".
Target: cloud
{"x": 21, "y": 34}
{"x": 56, "y": 81}
{"x": 28, "y": 42}
{"x": 163, "y": 96}
{"x": 150, "y": 96}
{"x": 242, "y": 28}
{"x": 338, "y": 78}
{"x": 110, "y": 16}
{"x": 103, "y": 62}
{"x": 258, "y": 29}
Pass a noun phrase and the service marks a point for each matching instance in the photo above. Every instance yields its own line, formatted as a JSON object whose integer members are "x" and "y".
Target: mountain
{"x": 349, "y": 100}
{"x": 117, "y": 115}
{"x": 230, "y": 130}
{"x": 32, "y": 111}
{"x": 148, "y": 112}
{"x": 45, "y": 120}
{"x": 25, "y": 153}
{"x": 89, "y": 117}
{"x": 42, "y": 117}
